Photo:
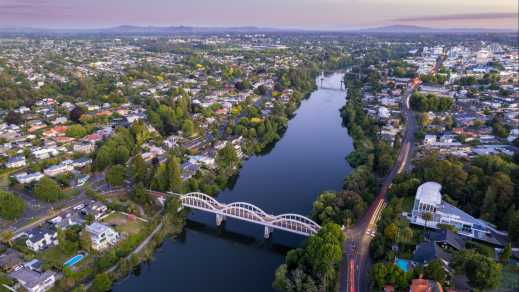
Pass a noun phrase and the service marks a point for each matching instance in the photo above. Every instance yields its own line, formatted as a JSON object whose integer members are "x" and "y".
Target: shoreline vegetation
{"x": 315, "y": 267}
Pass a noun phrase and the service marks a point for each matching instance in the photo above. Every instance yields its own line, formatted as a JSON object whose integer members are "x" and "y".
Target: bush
{"x": 48, "y": 190}
{"x": 11, "y": 206}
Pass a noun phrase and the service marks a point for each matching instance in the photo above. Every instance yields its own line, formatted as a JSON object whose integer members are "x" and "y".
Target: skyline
{"x": 304, "y": 14}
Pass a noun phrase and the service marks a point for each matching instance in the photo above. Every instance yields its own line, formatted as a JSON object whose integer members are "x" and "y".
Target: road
{"x": 354, "y": 267}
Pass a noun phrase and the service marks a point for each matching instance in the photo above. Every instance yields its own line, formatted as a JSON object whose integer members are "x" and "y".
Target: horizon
{"x": 284, "y": 14}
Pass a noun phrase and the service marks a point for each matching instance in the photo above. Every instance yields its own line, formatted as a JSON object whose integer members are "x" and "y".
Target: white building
{"x": 58, "y": 169}
{"x": 429, "y": 139}
{"x": 27, "y": 178}
{"x": 428, "y": 199}
{"x": 41, "y": 238}
{"x": 14, "y": 162}
{"x": 102, "y": 236}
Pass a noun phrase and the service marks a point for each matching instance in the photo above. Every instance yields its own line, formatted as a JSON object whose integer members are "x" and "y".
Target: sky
{"x": 309, "y": 14}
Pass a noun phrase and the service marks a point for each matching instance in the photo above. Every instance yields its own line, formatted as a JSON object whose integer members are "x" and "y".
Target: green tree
{"x": 188, "y": 128}
{"x": 174, "y": 171}
{"x": 11, "y": 206}
{"x": 483, "y": 272}
{"x": 434, "y": 271}
{"x": 227, "y": 158}
{"x": 115, "y": 175}
{"x": 391, "y": 232}
{"x": 76, "y": 131}
{"x": 102, "y": 283}
{"x": 48, "y": 190}
{"x": 506, "y": 254}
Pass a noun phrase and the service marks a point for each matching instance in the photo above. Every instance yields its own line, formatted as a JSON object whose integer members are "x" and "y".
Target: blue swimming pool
{"x": 402, "y": 264}
{"x": 73, "y": 260}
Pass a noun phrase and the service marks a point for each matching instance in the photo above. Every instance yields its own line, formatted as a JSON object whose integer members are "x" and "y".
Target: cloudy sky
{"x": 318, "y": 14}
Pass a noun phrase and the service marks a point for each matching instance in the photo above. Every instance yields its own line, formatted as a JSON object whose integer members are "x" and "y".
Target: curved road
{"x": 354, "y": 267}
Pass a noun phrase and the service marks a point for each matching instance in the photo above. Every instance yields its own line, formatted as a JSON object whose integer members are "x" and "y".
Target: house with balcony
{"x": 102, "y": 236}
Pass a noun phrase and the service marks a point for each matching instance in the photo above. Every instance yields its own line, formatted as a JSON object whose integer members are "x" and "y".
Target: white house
{"x": 41, "y": 238}
{"x": 102, "y": 236}
{"x": 14, "y": 162}
{"x": 429, "y": 139}
{"x": 27, "y": 178}
{"x": 428, "y": 199}
{"x": 58, "y": 169}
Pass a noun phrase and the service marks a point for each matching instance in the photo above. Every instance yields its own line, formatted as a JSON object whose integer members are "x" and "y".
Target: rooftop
{"x": 429, "y": 193}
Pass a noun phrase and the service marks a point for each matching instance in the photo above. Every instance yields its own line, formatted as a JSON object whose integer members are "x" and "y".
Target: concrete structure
{"x": 293, "y": 223}
{"x": 428, "y": 199}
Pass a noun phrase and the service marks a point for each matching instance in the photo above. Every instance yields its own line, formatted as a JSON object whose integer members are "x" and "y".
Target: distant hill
{"x": 172, "y": 30}
{"x": 421, "y": 29}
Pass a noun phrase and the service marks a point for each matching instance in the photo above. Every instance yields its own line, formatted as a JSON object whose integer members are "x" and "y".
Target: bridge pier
{"x": 268, "y": 231}
{"x": 219, "y": 219}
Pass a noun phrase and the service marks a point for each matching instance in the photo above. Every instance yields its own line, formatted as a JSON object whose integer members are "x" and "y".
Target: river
{"x": 309, "y": 158}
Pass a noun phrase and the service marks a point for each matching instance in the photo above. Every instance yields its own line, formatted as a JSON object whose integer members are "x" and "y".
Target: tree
{"x": 391, "y": 232}
{"x": 76, "y": 113}
{"x": 483, "y": 272}
{"x": 102, "y": 283}
{"x": 76, "y": 131}
{"x": 227, "y": 158}
{"x": 13, "y": 118}
{"x": 434, "y": 271}
{"x": 188, "y": 128}
{"x": 85, "y": 242}
{"x": 11, "y": 206}
{"x": 115, "y": 175}
{"x": 506, "y": 254}
{"x": 427, "y": 216}
{"x": 174, "y": 172}
{"x": 48, "y": 190}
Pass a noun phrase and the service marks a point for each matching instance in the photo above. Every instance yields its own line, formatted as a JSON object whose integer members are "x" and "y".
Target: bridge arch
{"x": 299, "y": 218}
{"x": 200, "y": 200}
{"x": 249, "y": 207}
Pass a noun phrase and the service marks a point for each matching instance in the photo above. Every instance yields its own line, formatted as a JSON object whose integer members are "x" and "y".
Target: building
{"x": 14, "y": 162}
{"x": 424, "y": 285}
{"x": 41, "y": 238}
{"x": 10, "y": 261}
{"x": 84, "y": 147}
{"x": 428, "y": 199}
{"x": 102, "y": 236}
{"x": 27, "y": 178}
{"x": 58, "y": 169}
{"x": 34, "y": 281}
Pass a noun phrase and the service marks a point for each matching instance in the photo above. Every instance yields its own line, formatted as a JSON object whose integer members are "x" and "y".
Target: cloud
{"x": 455, "y": 17}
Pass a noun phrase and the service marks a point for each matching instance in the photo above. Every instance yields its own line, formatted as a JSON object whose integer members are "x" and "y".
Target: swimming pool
{"x": 73, "y": 260}
{"x": 402, "y": 264}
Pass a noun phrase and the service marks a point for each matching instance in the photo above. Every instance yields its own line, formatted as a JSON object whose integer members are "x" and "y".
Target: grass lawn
{"x": 123, "y": 224}
{"x": 509, "y": 279}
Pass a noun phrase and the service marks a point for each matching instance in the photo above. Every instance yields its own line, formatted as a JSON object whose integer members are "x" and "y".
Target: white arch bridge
{"x": 247, "y": 212}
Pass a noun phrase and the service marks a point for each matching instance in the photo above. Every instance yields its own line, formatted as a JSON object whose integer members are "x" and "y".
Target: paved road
{"x": 354, "y": 267}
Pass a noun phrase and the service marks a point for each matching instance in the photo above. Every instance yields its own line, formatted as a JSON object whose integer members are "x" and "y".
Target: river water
{"x": 309, "y": 158}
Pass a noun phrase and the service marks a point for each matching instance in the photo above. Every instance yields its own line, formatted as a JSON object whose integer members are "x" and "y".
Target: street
{"x": 356, "y": 261}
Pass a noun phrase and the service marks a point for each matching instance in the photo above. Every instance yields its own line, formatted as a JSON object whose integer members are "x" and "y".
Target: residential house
{"x": 34, "y": 281}
{"x": 84, "y": 147}
{"x": 10, "y": 260}
{"x": 14, "y": 162}
{"x": 41, "y": 238}
{"x": 27, "y": 178}
{"x": 102, "y": 236}
{"x": 58, "y": 169}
